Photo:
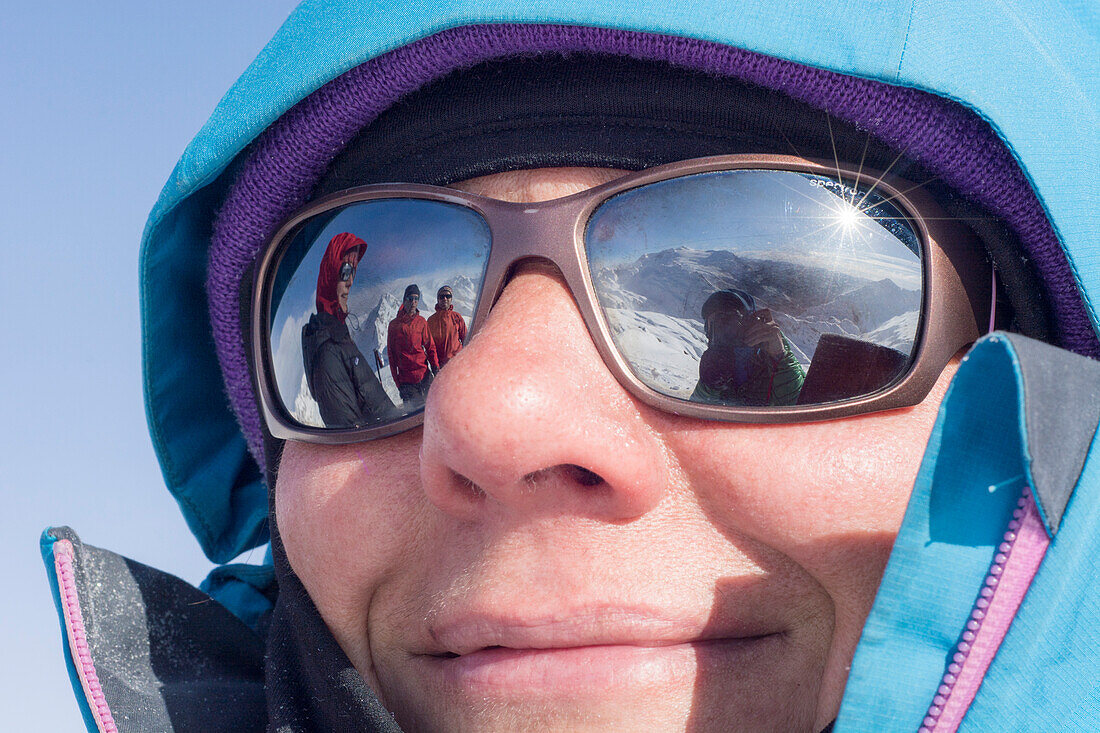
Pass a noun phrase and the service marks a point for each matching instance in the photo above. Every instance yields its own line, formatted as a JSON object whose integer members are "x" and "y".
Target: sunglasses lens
{"x": 758, "y": 288}
{"x": 356, "y": 353}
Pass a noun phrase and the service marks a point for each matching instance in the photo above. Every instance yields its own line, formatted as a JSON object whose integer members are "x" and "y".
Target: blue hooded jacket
{"x": 1017, "y": 415}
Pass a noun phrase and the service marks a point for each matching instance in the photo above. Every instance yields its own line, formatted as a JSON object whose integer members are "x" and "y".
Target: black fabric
{"x": 845, "y": 367}
{"x": 340, "y": 378}
{"x": 585, "y": 110}
{"x": 1022, "y": 304}
{"x": 1062, "y": 405}
{"x": 311, "y": 684}
{"x": 168, "y": 657}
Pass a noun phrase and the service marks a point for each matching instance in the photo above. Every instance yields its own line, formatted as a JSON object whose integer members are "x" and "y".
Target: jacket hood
{"x": 1025, "y": 67}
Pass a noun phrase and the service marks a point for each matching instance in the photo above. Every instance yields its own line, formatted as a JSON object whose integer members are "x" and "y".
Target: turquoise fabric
{"x": 1050, "y": 653}
{"x": 975, "y": 467}
{"x": 1029, "y": 67}
{"x": 243, "y": 589}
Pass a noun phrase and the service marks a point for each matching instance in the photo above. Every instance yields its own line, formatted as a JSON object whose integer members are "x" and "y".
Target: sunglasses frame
{"x": 952, "y": 308}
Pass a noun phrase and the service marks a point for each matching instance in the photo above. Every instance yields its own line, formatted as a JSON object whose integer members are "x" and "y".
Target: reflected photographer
{"x": 748, "y": 360}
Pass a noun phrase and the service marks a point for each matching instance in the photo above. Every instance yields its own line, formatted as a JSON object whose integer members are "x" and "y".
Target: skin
{"x": 644, "y": 571}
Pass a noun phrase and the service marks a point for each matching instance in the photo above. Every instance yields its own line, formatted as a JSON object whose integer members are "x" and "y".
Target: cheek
{"x": 347, "y": 515}
{"x": 791, "y": 487}
{"x": 828, "y": 496}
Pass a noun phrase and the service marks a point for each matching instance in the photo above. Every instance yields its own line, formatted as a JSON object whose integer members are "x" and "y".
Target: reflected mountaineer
{"x": 339, "y": 376}
{"x": 748, "y": 360}
{"x": 412, "y": 354}
{"x": 446, "y": 325}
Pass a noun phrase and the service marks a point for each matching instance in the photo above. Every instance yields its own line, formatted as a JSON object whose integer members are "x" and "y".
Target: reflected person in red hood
{"x": 412, "y": 353}
{"x": 347, "y": 392}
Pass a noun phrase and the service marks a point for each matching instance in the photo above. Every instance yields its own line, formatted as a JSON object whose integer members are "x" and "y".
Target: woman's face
{"x": 549, "y": 553}
{"x": 343, "y": 287}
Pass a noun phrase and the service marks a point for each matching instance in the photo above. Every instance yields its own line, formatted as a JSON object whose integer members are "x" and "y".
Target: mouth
{"x": 588, "y": 654}
{"x": 581, "y": 671}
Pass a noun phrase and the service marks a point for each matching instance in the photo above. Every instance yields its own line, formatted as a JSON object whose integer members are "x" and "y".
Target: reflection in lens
{"x": 758, "y": 288}
{"x": 352, "y": 341}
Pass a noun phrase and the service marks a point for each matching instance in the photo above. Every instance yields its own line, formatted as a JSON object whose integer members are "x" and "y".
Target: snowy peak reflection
{"x": 653, "y": 304}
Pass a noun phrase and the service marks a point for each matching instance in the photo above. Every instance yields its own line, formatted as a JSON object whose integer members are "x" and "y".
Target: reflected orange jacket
{"x": 448, "y": 330}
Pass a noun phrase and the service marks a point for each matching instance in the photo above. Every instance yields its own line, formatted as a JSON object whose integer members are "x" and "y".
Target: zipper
{"x": 1015, "y": 563}
{"x": 63, "y": 556}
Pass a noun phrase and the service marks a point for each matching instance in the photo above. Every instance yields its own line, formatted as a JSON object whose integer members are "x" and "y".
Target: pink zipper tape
{"x": 1014, "y": 566}
{"x": 63, "y": 555}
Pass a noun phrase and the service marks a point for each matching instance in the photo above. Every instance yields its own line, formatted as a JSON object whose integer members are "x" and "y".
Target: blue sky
{"x": 99, "y": 101}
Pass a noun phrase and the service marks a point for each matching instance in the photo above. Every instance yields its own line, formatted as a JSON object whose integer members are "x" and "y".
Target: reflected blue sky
{"x": 741, "y": 211}
{"x": 408, "y": 241}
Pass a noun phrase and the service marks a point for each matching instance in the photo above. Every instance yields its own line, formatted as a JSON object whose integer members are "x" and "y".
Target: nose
{"x": 526, "y": 419}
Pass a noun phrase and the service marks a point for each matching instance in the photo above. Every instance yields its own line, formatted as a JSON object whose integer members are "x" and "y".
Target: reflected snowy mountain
{"x": 653, "y": 304}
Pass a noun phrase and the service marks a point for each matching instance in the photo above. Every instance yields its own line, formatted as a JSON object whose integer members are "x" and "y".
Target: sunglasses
{"x": 863, "y": 290}
{"x": 347, "y": 272}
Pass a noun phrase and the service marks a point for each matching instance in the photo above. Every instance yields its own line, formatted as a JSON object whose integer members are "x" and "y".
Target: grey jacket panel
{"x": 1062, "y": 405}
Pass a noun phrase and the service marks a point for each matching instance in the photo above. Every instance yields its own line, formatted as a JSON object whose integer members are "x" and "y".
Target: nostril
{"x": 581, "y": 475}
{"x": 569, "y": 472}
{"x": 467, "y": 486}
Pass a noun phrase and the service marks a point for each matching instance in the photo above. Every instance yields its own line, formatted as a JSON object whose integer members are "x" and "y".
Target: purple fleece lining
{"x": 291, "y": 155}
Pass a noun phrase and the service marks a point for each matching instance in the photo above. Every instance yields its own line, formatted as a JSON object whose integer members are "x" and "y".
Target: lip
{"x": 584, "y": 652}
{"x": 589, "y": 670}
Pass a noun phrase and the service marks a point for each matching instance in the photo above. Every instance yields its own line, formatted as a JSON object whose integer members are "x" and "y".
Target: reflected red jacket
{"x": 410, "y": 347}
